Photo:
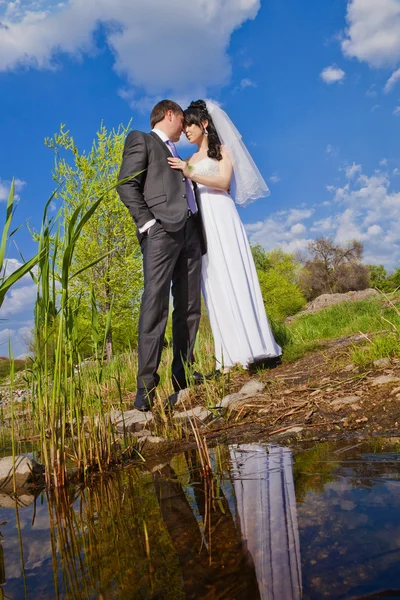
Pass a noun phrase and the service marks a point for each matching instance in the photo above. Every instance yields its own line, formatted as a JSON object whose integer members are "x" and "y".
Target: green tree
{"x": 281, "y": 297}
{"x": 278, "y": 275}
{"x": 118, "y": 278}
{"x": 380, "y": 278}
{"x": 395, "y": 280}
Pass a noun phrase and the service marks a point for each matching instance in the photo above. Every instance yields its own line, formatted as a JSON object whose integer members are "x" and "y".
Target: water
{"x": 322, "y": 524}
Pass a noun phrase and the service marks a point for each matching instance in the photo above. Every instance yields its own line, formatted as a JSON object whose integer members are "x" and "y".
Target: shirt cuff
{"x": 147, "y": 225}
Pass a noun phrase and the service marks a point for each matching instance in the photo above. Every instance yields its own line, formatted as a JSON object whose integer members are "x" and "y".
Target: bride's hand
{"x": 179, "y": 165}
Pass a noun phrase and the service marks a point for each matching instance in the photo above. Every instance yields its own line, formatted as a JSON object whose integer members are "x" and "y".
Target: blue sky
{"x": 313, "y": 87}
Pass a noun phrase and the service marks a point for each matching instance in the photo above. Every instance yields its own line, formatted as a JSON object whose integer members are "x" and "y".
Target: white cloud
{"x": 371, "y": 214}
{"x": 323, "y": 225}
{"x": 367, "y": 208}
{"x": 274, "y": 178}
{"x": 138, "y": 34}
{"x": 373, "y": 32}
{"x": 396, "y": 111}
{"x": 5, "y": 187}
{"x": 297, "y": 214}
{"x": 332, "y": 74}
{"x": 18, "y": 336}
{"x": 371, "y": 91}
{"x": 352, "y": 170}
{"x": 374, "y": 230}
{"x": 331, "y": 150}
{"x": 298, "y": 229}
{"x": 391, "y": 82}
{"x": 383, "y": 162}
{"x": 275, "y": 233}
{"x": 18, "y": 300}
{"x": 375, "y": 107}
{"x": 245, "y": 83}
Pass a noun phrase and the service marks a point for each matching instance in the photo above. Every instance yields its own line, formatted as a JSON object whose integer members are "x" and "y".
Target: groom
{"x": 163, "y": 205}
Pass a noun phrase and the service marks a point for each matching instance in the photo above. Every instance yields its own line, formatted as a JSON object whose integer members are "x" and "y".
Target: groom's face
{"x": 175, "y": 126}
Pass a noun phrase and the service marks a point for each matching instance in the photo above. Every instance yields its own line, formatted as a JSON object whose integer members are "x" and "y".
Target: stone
{"x": 249, "y": 390}
{"x": 344, "y": 401}
{"x": 26, "y": 469}
{"x": 153, "y": 439}
{"x": 382, "y": 363}
{"x": 385, "y": 379}
{"x": 291, "y": 431}
{"x": 230, "y": 400}
{"x": 199, "y": 413}
{"x": 144, "y": 433}
{"x": 349, "y": 368}
{"x": 132, "y": 421}
{"x": 183, "y": 396}
{"x": 23, "y": 496}
{"x": 252, "y": 388}
{"x": 395, "y": 391}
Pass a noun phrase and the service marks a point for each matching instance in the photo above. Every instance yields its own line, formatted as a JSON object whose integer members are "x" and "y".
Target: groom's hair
{"x": 160, "y": 110}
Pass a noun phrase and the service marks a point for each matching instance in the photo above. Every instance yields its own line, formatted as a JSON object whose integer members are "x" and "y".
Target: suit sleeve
{"x": 135, "y": 160}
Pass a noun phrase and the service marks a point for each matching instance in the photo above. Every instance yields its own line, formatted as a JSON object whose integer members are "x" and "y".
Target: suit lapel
{"x": 161, "y": 143}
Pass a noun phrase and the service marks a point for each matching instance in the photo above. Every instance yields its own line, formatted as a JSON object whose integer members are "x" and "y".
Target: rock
{"x": 26, "y": 469}
{"x": 144, "y": 433}
{"x": 291, "y": 431}
{"x": 153, "y": 439}
{"x": 249, "y": 390}
{"x": 230, "y": 400}
{"x": 199, "y": 413}
{"x": 327, "y": 300}
{"x": 344, "y": 401}
{"x": 382, "y": 363}
{"x": 384, "y": 380}
{"x": 362, "y": 420}
{"x": 349, "y": 368}
{"x": 183, "y": 397}
{"x": 395, "y": 391}
{"x": 132, "y": 421}
{"x": 23, "y": 496}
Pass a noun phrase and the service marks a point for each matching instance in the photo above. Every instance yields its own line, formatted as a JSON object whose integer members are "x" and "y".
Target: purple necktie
{"x": 189, "y": 189}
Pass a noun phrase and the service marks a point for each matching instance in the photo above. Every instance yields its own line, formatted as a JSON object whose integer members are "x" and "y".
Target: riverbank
{"x": 322, "y": 396}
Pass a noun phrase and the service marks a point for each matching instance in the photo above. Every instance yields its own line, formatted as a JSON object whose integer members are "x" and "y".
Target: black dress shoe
{"x": 144, "y": 400}
{"x": 196, "y": 378}
{"x": 171, "y": 401}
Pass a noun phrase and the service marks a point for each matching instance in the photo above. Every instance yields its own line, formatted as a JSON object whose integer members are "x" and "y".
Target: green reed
{"x": 72, "y": 424}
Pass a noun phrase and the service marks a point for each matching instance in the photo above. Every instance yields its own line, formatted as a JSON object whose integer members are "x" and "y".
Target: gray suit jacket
{"x": 158, "y": 192}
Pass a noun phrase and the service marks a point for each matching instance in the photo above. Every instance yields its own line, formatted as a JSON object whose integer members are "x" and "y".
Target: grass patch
{"x": 19, "y": 365}
{"x": 308, "y": 332}
{"x": 381, "y": 346}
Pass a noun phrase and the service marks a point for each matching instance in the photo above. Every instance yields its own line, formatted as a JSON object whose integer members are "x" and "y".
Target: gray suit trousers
{"x": 169, "y": 258}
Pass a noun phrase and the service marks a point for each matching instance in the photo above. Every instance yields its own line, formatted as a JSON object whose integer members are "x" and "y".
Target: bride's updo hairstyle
{"x": 196, "y": 114}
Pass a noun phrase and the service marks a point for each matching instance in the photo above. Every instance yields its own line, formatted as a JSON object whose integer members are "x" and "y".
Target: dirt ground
{"x": 317, "y": 398}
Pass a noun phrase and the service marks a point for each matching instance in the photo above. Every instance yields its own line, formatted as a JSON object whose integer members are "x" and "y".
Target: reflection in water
{"x": 170, "y": 534}
{"x": 266, "y": 504}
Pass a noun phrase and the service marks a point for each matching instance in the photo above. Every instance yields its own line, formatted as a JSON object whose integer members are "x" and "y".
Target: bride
{"x": 230, "y": 286}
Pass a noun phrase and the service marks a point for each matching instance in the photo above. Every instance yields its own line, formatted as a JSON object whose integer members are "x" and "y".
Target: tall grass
{"x": 72, "y": 424}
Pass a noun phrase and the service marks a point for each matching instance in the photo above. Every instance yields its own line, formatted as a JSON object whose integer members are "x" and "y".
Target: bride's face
{"x": 194, "y": 133}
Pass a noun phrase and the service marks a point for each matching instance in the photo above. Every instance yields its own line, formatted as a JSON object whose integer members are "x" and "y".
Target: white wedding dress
{"x": 230, "y": 285}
